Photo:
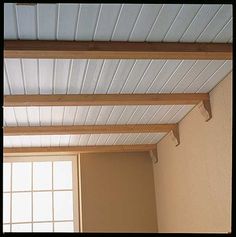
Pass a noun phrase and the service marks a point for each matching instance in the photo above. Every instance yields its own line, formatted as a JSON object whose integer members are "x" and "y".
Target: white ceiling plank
{"x": 57, "y": 115}
{"x": 84, "y": 139}
{"x": 81, "y": 115}
{"x": 170, "y": 113}
{"x": 102, "y": 139}
{"x": 148, "y": 113}
{"x": 203, "y": 17}
{"x": 9, "y": 116}
{"x": 88, "y": 14}
{"x": 92, "y": 115}
{"x": 104, "y": 115}
{"x": 93, "y": 139}
{"x": 10, "y": 25}
{"x": 112, "y": 138}
{"x": 131, "y": 138}
{"x": 181, "y": 113}
{"x": 77, "y": 75}
{"x": 14, "y": 72}
{"x": 218, "y": 21}
{"x": 121, "y": 138}
{"x": 74, "y": 140}
{"x": 45, "y": 140}
{"x": 182, "y": 21}
{"x": 145, "y": 21}
{"x": 121, "y": 75}
{"x": 47, "y": 30}
{"x": 30, "y": 72}
{"x": 27, "y": 22}
{"x": 161, "y": 112}
{"x": 46, "y": 68}
{"x": 55, "y": 140}
{"x": 163, "y": 22}
{"x": 115, "y": 114}
{"x": 126, "y": 113}
{"x": 157, "y": 137}
{"x": 21, "y": 116}
{"x": 26, "y": 141}
{"x": 106, "y": 21}
{"x": 67, "y": 21}
{"x": 69, "y": 115}
{"x": 15, "y": 141}
{"x": 33, "y": 116}
{"x": 94, "y": 68}
{"x": 45, "y": 114}
{"x": 135, "y": 76}
{"x": 7, "y": 90}
{"x": 64, "y": 140}
{"x": 108, "y": 72}
{"x": 61, "y": 77}
{"x": 137, "y": 115}
{"x": 6, "y": 142}
{"x": 125, "y": 22}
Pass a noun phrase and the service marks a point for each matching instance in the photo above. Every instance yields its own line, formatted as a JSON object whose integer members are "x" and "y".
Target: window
{"x": 40, "y": 194}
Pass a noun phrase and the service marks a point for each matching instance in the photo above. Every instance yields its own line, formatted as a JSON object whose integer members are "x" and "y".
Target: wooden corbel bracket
{"x": 175, "y": 135}
{"x": 205, "y": 109}
{"x": 154, "y": 156}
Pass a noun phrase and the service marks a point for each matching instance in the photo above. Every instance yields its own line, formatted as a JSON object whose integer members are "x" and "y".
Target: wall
{"x": 193, "y": 180}
{"x": 118, "y": 192}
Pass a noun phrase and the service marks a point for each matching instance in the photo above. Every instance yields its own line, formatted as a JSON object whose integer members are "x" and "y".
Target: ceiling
{"x": 109, "y": 22}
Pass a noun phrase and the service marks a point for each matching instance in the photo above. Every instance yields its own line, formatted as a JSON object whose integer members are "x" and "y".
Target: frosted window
{"x": 21, "y": 207}
{"x": 6, "y": 228}
{"x": 21, "y": 228}
{"x": 63, "y": 227}
{"x": 62, "y": 175}
{"x": 65, "y": 211}
{"x": 6, "y": 177}
{"x": 42, "y": 175}
{"x": 6, "y": 208}
{"x": 42, "y": 206}
{"x": 42, "y": 227}
{"x": 21, "y": 176}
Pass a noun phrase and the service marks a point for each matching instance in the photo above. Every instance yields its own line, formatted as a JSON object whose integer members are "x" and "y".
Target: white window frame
{"x": 75, "y": 180}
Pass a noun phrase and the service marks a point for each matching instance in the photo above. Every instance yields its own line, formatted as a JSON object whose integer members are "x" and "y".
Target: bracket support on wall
{"x": 154, "y": 156}
{"x": 175, "y": 135}
{"x": 205, "y": 109}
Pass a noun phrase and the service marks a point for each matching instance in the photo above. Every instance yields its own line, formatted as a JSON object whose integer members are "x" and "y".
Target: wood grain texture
{"x": 104, "y": 99}
{"x": 21, "y": 151}
{"x": 115, "y": 50}
{"x": 87, "y": 129}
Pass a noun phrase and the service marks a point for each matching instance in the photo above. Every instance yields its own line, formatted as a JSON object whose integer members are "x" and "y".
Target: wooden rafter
{"x": 87, "y": 129}
{"x": 104, "y": 99}
{"x": 21, "y": 151}
{"x": 115, "y": 50}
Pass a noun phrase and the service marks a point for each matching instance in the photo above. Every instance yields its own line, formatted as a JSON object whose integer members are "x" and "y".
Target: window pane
{"x": 21, "y": 228}
{"x": 6, "y": 177}
{"x": 21, "y": 176}
{"x": 62, "y": 175}
{"x": 21, "y": 207}
{"x": 42, "y": 175}
{"x": 42, "y": 206}
{"x": 6, "y": 208}
{"x": 63, "y": 205}
{"x": 42, "y": 227}
{"x": 6, "y": 228}
{"x": 63, "y": 227}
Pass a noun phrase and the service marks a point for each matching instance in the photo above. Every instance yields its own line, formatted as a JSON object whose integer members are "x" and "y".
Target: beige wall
{"x": 193, "y": 180}
{"x": 118, "y": 192}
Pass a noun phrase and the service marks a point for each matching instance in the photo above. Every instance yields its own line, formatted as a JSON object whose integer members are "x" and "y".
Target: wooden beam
{"x": 21, "y": 151}
{"x": 115, "y": 50}
{"x": 104, "y": 99}
{"x": 87, "y": 129}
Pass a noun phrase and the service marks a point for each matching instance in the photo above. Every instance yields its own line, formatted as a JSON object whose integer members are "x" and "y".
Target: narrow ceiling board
{"x": 120, "y": 139}
{"x": 93, "y": 139}
{"x": 46, "y": 74}
{"x": 27, "y": 22}
{"x": 21, "y": 116}
{"x": 57, "y": 115}
{"x": 67, "y": 21}
{"x": 81, "y": 115}
{"x": 220, "y": 19}
{"x": 106, "y": 21}
{"x": 9, "y": 116}
{"x": 45, "y": 140}
{"x": 106, "y": 76}
{"x": 14, "y": 140}
{"x": 225, "y": 34}
{"x": 136, "y": 74}
{"x": 199, "y": 23}
{"x": 74, "y": 140}
{"x": 102, "y": 139}
{"x": 25, "y": 141}
{"x": 69, "y": 115}
{"x": 30, "y": 73}
{"x": 130, "y": 138}
{"x": 10, "y": 27}
{"x": 156, "y": 138}
{"x": 170, "y": 113}
{"x": 111, "y": 139}
{"x": 125, "y": 115}
{"x": 6, "y": 84}
{"x": 159, "y": 115}
{"x": 163, "y": 22}
{"x": 6, "y": 142}
{"x": 88, "y": 15}
{"x": 93, "y": 71}
{"x": 181, "y": 113}
{"x": 47, "y": 30}
{"x": 33, "y": 116}
{"x": 14, "y": 71}
{"x": 92, "y": 115}
{"x": 120, "y": 77}
{"x": 55, "y": 140}
{"x": 64, "y": 140}
{"x": 115, "y": 114}
{"x": 45, "y": 114}
{"x": 104, "y": 115}
{"x": 61, "y": 77}
{"x": 84, "y": 139}
{"x": 182, "y": 21}
{"x": 126, "y": 21}
{"x": 78, "y": 68}
{"x": 145, "y": 21}
{"x": 164, "y": 74}
{"x": 137, "y": 114}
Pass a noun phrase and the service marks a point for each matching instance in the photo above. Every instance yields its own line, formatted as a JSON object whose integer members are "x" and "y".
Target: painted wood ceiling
{"x": 109, "y": 22}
